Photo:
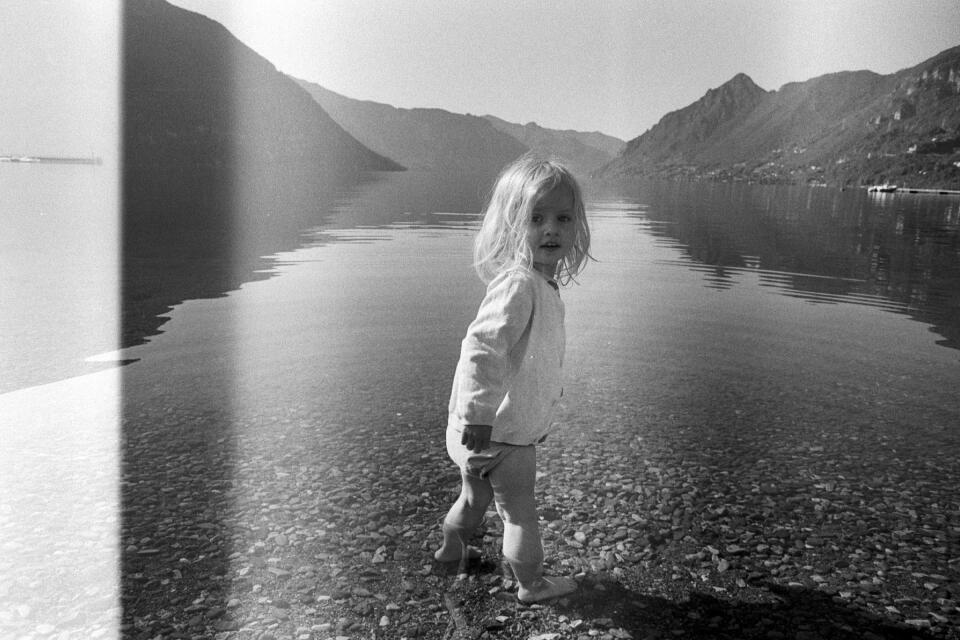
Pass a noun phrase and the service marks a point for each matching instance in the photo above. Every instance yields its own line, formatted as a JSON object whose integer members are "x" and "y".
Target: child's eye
{"x": 536, "y": 218}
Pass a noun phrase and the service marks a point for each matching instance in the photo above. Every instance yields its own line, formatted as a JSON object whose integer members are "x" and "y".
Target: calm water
{"x": 58, "y": 270}
{"x": 783, "y": 268}
{"x": 703, "y": 298}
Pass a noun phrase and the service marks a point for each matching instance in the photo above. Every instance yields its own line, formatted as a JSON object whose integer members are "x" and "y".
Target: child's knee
{"x": 521, "y": 511}
{"x": 476, "y": 493}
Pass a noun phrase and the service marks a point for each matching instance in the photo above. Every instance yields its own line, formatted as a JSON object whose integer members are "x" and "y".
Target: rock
{"x": 215, "y": 612}
{"x": 918, "y": 623}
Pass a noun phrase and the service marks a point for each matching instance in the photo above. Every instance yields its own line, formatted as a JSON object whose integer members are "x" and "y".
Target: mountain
{"x": 421, "y": 138}
{"x": 194, "y": 93}
{"x": 584, "y": 152}
{"x": 846, "y": 128}
{"x": 438, "y": 139}
{"x": 681, "y": 134}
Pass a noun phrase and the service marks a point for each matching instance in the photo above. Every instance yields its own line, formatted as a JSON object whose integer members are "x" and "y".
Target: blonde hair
{"x": 501, "y": 244}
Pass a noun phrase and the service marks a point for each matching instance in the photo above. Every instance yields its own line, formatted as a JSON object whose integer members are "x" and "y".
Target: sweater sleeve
{"x": 487, "y": 357}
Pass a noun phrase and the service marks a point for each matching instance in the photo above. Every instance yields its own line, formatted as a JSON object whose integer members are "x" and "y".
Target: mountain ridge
{"x": 679, "y": 131}
{"x": 844, "y": 128}
{"x": 431, "y": 138}
{"x": 419, "y": 138}
{"x": 584, "y": 151}
{"x": 194, "y": 92}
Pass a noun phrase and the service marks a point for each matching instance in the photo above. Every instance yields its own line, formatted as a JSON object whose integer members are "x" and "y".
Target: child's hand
{"x": 476, "y": 437}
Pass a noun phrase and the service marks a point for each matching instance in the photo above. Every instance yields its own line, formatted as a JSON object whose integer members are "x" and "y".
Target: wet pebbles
{"x": 276, "y": 528}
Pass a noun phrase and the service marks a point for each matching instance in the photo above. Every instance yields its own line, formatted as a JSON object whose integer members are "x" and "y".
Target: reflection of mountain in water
{"x": 820, "y": 244}
{"x": 225, "y": 160}
{"x": 209, "y": 233}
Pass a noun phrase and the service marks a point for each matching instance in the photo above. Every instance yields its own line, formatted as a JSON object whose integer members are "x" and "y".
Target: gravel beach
{"x": 278, "y": 529}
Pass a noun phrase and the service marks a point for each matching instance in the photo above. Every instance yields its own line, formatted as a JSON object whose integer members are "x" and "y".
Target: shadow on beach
{"x": 790, "y": 613}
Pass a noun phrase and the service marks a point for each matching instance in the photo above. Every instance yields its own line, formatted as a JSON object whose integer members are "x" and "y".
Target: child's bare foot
{"x": 546, "y": 589}
{"x": 442, "y": 555}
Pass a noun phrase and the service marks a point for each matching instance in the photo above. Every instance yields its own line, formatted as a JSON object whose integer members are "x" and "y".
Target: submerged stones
{"x": 320, "y": 535}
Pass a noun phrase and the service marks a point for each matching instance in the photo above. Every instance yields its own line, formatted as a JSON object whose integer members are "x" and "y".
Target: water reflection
{"x": 901, "y": 254}
{"x": 825, "y": 246}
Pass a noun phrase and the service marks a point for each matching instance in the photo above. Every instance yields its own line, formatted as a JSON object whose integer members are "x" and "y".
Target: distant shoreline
{"x": 51, "y": 160}
{"x": 886, "y": 189}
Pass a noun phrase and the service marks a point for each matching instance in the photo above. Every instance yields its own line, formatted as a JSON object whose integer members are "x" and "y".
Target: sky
{"x": 59, "y": 73}
{"x": 591, "y": 65}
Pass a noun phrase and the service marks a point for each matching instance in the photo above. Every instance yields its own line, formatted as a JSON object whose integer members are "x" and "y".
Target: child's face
{"x": 550, "y": 230}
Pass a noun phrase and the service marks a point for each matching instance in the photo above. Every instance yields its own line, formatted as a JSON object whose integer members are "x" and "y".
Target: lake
{"x": 744, "y": 247}
{"x": 736, "y": 335}
{"x": 701, "y": 293}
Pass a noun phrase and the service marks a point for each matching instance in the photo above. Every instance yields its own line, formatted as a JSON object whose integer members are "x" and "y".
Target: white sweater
{"x": 509, "y": 373}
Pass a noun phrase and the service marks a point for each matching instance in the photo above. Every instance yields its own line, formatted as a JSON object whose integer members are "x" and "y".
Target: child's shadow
{"x": 796, "y": 613}
{"x": 485, "y": 565}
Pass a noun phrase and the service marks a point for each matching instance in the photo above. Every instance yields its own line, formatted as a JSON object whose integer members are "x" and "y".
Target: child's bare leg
{"x": 464, "y": 517}
{"x": 513, "y": 483}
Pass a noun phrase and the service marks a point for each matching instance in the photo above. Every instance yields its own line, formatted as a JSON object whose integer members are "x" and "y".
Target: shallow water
{"x": 803, "y": 337}
{"x": 366, "y": 321}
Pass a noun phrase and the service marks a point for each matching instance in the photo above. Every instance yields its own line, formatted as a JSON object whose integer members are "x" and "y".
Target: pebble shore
{"x": 283, "y": 530}
{"x": 313, "y": 523}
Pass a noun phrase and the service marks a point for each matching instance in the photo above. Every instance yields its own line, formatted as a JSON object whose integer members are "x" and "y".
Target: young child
{"x": 507, "y": 382}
